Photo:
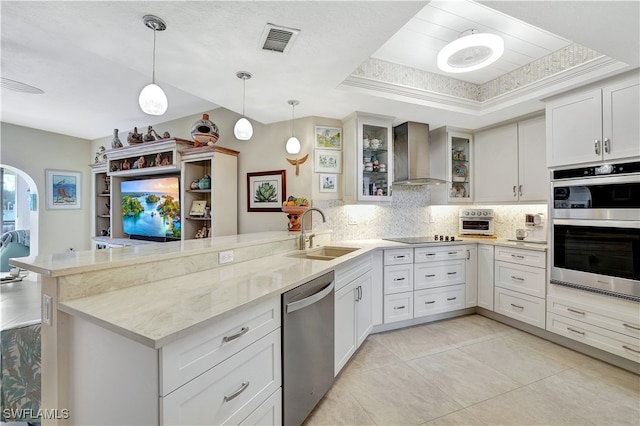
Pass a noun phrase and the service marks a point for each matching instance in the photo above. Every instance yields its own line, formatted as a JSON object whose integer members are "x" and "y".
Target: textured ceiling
{"x": 92, "y": 58}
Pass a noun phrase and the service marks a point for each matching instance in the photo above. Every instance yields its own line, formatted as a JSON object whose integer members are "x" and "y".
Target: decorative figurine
{"x": 101, "y": 155}
{"x": 140, "y": 162}
{"x": 204, "y": 132}
{"x": 107, "y": 184}
{"x": 158, "y": 160}
{"x": 166, "y": 135}
{"x": 205, "y": 182}
{"x": 165, "y": 161}
{"x": 195, "y": 184}
{"x": 149, "y": 137}
{"x": 114, "y": 167}
{"x": 126, "y": 165}
{"x": 207, "y": 211}
{"x": 134, "y": 137}
{"x": 115, "y": 143}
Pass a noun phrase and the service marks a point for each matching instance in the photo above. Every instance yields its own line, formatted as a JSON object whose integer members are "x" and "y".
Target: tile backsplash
{"x": 409, "y": 214}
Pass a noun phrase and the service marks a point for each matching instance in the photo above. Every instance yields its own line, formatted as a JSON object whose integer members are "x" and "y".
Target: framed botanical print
{"x": 266, "y": 191}
{"x": 328, "y": 161}
{"x": 328, "y": 182}
{"x": 328, "y": 137}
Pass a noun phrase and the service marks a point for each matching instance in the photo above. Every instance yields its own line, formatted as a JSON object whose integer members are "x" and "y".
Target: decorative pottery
{"x": 134, "y": 137}
{"x": 115, "y": 143}
{"x": 294, "y": 214}
{"x": 204, "y": 132}
{"x": 205, "y": 182}
{"x": 195, "y": 184}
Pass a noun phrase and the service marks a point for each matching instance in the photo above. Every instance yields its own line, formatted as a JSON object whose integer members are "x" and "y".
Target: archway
{"x": 30, "y": 207}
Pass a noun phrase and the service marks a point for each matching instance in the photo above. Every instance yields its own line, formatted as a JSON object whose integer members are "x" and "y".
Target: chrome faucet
{"x": 303, "y": 235}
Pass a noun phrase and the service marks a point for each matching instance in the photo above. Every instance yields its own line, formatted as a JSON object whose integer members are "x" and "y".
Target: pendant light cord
{"x": 244, "y": 88}
{"x": 153, "y": 72}
{"x": 293, "y": 108}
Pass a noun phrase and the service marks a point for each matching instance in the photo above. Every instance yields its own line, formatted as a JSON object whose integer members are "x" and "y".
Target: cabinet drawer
{"x": 436, "y": 300}
{"x": 520, "y": 306}
{"x": 230, "y": 391}
{"x": 197, "y": 352}
{"x": 398, "y": 307}
{"x": 398, "y": 278}
{"x": 521, "y": 256}
{"x": 429, "y": 275}
{"x": 268, "y": 413}
{"x": 398, "y": 256}
{"x": 615, "y": 343}
{"x": 522, "y": 278}
{"x": 433, "y": 254}
{"x": 599, "y": 316}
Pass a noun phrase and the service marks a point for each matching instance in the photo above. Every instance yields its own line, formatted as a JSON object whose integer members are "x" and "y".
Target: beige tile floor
{"x": 475, "y": 371}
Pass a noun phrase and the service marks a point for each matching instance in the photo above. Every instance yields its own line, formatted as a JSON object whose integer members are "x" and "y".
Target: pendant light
{"x": 243, "y": 129}
{"x": 152, "y": 99}
{"x": 472, "y": 51}
{"x": 293, "y": 144}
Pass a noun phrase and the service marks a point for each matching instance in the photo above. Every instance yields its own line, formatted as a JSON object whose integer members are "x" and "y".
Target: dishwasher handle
{"x": 300, "y": 304}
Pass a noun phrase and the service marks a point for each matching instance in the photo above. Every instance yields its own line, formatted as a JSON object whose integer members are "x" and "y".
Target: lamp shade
{"x": 152, "y": 100}
{"x": 470, "y": 52}
{"x": 243, "y": 129}
{"x": 293, "y": 145}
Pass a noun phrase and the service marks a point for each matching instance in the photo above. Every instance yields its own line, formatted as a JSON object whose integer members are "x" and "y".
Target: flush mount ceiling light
{"x": 470, "y": 52}
{"x": 152, "y": 99}
{"x": 18, "y": 86}
{"x": 243, "y": 129}
{"x": 293, "y": 144}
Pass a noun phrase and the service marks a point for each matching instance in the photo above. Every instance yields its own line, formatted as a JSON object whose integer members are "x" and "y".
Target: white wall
{"x": 33, "y": 151}
{"x": 264, "y": 152}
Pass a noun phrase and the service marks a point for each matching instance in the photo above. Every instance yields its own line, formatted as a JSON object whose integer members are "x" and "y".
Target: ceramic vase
{"x": 115, "y": 142}
{"x": 205, "y": 132}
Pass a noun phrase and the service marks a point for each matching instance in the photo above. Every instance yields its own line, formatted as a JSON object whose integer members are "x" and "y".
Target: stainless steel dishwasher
{"x": 307, "y": 347}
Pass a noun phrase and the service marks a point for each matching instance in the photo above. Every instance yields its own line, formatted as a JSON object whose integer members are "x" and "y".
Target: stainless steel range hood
{"x": 411, "y": 155}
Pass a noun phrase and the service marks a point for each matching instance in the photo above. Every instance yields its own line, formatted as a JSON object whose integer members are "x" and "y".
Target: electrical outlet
{"x": 46, "y": 309}
{"x": 353, "y": 220}
{"x": 225, "y": 257}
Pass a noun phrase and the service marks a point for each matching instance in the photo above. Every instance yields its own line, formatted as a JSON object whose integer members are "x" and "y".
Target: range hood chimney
{"x": 411, "y": 155}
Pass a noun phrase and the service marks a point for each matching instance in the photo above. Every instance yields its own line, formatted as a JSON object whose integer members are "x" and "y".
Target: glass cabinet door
{"x": 376, "y": 162}
{"x": 460, "y": 169}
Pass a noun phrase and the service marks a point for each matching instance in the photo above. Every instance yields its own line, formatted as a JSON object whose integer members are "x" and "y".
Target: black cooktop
{"x": 422, "y": 240}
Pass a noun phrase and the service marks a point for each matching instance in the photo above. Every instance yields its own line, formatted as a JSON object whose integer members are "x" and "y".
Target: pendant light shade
{"x": 470, "y": 52}
{"x": 152, "y": 99}
{"x": 243, "y": 129}
{"x": 293, "y": 144}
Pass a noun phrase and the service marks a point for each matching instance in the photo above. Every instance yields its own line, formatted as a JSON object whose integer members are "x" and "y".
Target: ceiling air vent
{"x": 277, "y": 39}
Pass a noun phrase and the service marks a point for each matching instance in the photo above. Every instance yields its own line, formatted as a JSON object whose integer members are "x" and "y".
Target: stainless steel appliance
{"x": 595, "y": 229}
{"x": 307, "y": 347}
{"x": 411, "y": 155}
{"x": 476, "y": 222}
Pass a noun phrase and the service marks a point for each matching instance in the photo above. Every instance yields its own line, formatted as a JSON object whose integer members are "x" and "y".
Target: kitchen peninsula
{"x": 152, "y": 328}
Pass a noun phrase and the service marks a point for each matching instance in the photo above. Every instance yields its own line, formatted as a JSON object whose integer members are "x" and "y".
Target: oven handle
{"x": 608, "y": 223}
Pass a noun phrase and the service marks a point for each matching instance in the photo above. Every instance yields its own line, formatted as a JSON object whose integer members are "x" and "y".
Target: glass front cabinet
{"x": 368, "y": 158}
{"x": 450, "y": 155}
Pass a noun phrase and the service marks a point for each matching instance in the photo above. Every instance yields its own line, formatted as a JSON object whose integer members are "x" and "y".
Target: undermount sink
{"x": 323, "y": 253}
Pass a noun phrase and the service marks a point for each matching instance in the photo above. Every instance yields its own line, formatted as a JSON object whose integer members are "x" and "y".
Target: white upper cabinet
{"x": 510, "y": 163}
{"x": 368, "y": 158}
{"x": 451, "y": 159}
{"x": 596, "y": 124}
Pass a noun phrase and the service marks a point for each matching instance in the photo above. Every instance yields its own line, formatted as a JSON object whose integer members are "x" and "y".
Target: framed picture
{"x": 328, "y": 183}
{"x": 328, "y": 137}
{"x": 197, "y": 207}
{"x": 266, "y": 191}
{"x": 63, "y": 189}
{"x": 328, "y": 161}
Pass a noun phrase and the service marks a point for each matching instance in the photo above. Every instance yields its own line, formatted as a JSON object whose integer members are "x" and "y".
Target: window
{"x": 8, "y": 199}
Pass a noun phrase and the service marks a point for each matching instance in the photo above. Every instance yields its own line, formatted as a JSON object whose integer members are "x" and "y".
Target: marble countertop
{"x": 160, "y": 312}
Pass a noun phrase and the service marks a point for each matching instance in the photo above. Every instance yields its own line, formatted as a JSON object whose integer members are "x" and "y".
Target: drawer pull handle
{"x": 517, "y": 256}
{"x": 430, "y": 276}
{"x": 517, "y": 306}
{"x": 399, "y": 256}
{"x": 576, "y": 331}
{"x": 430, "y": 254}
{"x": 395, "y": 308}
{"x": 451, "y": 298}
{"x": 631, "y": 349}
{"x": 453, "y": 252}
{"x": 241, "y": 389}
{"x": 513, "y": 277}
{"x": 633, "y": 327}
{"x": 227, "y": 339}
{"x": 575, "y": 311}
{"x": 451, "y": 273}
{"x": 399, "y": 279}
{"x": 429, "y": 302}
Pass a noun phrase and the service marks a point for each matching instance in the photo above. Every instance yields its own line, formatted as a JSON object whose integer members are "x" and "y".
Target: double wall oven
{"x": 595, "y": 229}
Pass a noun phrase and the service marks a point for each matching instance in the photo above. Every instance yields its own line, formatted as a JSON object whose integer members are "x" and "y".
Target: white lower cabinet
{"x": 520, "y": 290}
{"x": 606, "y": 323}
{"x": 398, "y": 307}
{"x": 485, "y": 276}
{"x": 471, "y": 276}
{"x": 353, "y": 309}
{"x": 229, "y": 392}
{"x": 437, "y": 300}
{"x": 438, "y": 274}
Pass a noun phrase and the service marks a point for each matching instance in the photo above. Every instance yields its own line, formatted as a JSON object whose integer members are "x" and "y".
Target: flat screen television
{"x": 151, "y": 208}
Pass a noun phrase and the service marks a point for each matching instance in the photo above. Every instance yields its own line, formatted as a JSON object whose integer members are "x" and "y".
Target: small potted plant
{"x": 294, "y": 207}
